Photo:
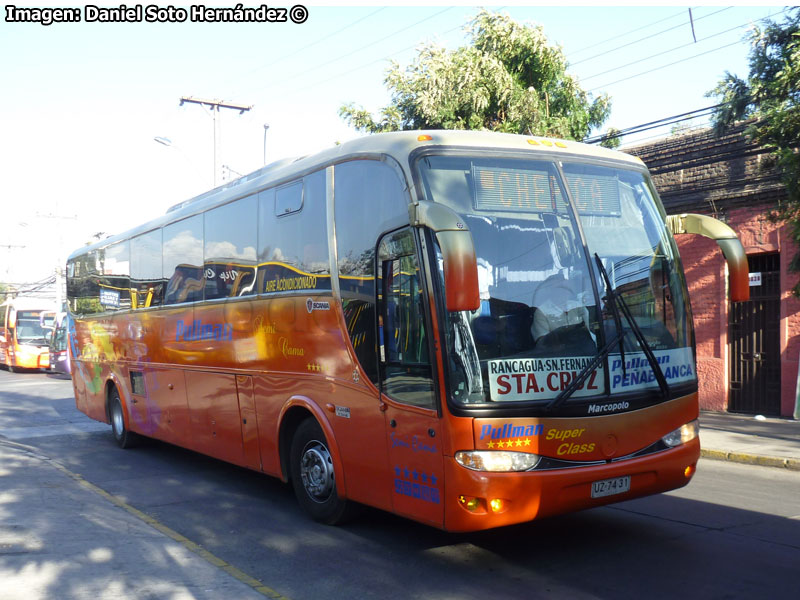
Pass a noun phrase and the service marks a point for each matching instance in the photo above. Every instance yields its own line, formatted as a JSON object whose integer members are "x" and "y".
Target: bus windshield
{"x": 30, "y": 329}
{"x": 550, "y": 238}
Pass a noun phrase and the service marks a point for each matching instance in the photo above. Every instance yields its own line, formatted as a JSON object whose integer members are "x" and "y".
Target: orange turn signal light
{"x": 470, "y": 503}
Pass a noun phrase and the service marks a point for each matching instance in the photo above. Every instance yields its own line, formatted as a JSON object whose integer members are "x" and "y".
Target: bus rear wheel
{"x": 313, "y": 478}
{"x": 124, "y": 437}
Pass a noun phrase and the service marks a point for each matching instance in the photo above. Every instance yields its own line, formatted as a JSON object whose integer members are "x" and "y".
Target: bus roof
{"x": 396, "y": 144}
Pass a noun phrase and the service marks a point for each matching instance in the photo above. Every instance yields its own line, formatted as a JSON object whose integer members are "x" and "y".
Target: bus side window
{"x": 183, "y": 260}
{"x": 83, "y": 287}
{"x": 293, "y": 237}
{"x": 147, "y": 285}
{"x": 405, "y": 363}
{"x": 230, "y": 233}
{"x": 369, "y": 199}
{"x": 115, "y": 280}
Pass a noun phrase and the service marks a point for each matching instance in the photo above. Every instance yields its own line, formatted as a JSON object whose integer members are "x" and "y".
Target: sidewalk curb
{"x": 751, "y": 459}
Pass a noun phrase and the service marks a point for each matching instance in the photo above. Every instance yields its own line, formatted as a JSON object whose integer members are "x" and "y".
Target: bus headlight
{"x": 683, "y": 434}
{"x": 496, "y": 460}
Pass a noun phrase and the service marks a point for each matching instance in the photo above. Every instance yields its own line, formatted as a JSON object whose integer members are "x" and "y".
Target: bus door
{"x": 408, "y": 396}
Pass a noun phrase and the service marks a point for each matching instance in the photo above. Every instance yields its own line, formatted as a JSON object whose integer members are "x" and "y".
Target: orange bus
{"x": 468, "y": 329}
{"x": 25, "y": 328}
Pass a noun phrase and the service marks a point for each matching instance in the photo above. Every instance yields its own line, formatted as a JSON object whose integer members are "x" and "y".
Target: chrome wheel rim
{"x": 316, "y": 471}
{"x": 117, "y": 422}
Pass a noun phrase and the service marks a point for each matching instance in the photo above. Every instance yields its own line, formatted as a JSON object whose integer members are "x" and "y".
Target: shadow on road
{"x": 659, "y": 547}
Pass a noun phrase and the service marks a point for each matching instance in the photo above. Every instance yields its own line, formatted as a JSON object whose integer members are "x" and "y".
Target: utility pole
{"x": 215, "y": 105}
{"x": 60, "y": 260}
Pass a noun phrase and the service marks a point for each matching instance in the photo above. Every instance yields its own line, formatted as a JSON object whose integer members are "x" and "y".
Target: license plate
{"x": 609, "y": 487}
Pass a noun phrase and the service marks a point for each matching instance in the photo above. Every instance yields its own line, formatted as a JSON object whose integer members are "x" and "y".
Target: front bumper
{"x": 530, "y": 495}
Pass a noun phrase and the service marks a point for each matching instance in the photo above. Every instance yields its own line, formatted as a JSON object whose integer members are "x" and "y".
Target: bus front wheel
{"x": 124, "y": 437}
{"x": 313, "y": 479}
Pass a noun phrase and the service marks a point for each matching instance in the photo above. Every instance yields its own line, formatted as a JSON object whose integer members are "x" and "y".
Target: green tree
{"x": 507, "y": 79}
{"x": 771, "y": 98}
{"x": 612, "y": 139}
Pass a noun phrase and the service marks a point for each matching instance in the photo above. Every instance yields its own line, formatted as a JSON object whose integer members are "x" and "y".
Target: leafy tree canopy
{"x": 508, "y": 79}
{"x": 771, "y": 97}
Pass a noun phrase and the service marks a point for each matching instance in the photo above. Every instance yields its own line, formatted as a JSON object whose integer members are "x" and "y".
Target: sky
{"x": 83, "y": 103}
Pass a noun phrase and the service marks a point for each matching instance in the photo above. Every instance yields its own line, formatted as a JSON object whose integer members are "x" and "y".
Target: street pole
{"x": 265, "y": 142}
{"x": 215, "y": 105}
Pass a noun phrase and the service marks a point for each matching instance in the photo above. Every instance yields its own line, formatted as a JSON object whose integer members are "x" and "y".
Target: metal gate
{"x": 755, "y": 341}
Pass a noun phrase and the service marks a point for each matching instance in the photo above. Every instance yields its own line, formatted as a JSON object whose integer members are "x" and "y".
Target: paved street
{"x": 734, "y": 532}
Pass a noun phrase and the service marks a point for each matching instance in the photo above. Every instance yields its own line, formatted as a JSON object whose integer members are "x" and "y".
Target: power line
{"x": 699, "y": 112}
{"x": 358, "y": 68}
{"x": 621, "y": 35}
{"x": 364, "y": 65}
{"x": 649, "y": 37}
{"x": 356, "y": 50}
{"x": 314, "y": 43}
{"x": 713, "y": 35}
{"x": 664, "y": 52}
{"x": 736, "y": 43}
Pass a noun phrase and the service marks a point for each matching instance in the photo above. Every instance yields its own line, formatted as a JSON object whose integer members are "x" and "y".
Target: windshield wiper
{"x": 578, "y": 381}
{"x": 617, "y": 305}
{"x": 617, "y": 300}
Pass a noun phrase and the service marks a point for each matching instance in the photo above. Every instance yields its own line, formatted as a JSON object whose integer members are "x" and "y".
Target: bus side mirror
{"x": 458, "y": 253}
{"x": 728, "y": 242}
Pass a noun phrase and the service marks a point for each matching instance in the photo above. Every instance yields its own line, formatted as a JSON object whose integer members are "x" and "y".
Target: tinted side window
{"x": 83, "y": 290}
{"x": 289, "y": 198}
{"x": 293, "y": 244}
{"x": 147, "y": 284}
{"x": 115, "y": 282}
{"x": 369, "y": 199}
{"x": 230, "y": 249}
{"x": 183, "y": 260}
{"x": 405, "y": 364}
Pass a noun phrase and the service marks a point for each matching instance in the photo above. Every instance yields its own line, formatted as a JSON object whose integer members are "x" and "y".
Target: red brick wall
{"x": 705, "y": 276}
{"x": 704, "y": 267}
{"x": 725, "y": 177}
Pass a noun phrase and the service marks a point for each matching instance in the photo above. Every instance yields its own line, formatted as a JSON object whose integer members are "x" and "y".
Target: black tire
{"x": 124, "y": 437}
{"x": 313, "y": 480}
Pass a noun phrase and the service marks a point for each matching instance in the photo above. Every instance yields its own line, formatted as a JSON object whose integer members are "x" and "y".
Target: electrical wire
{"x": 653, "y": 70}
{"x": 297, "y": 51}
{"x": 621, "y": 35}
{"x": 772, "y": 16}
{"x": 649, "y": 37}
{"x": 713, "y": 35}
{"x": 353, "y": 70}
{"x": 342, "y": 74}
{"x": 296, "y": 75}
{"x": 705, "y": 111}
